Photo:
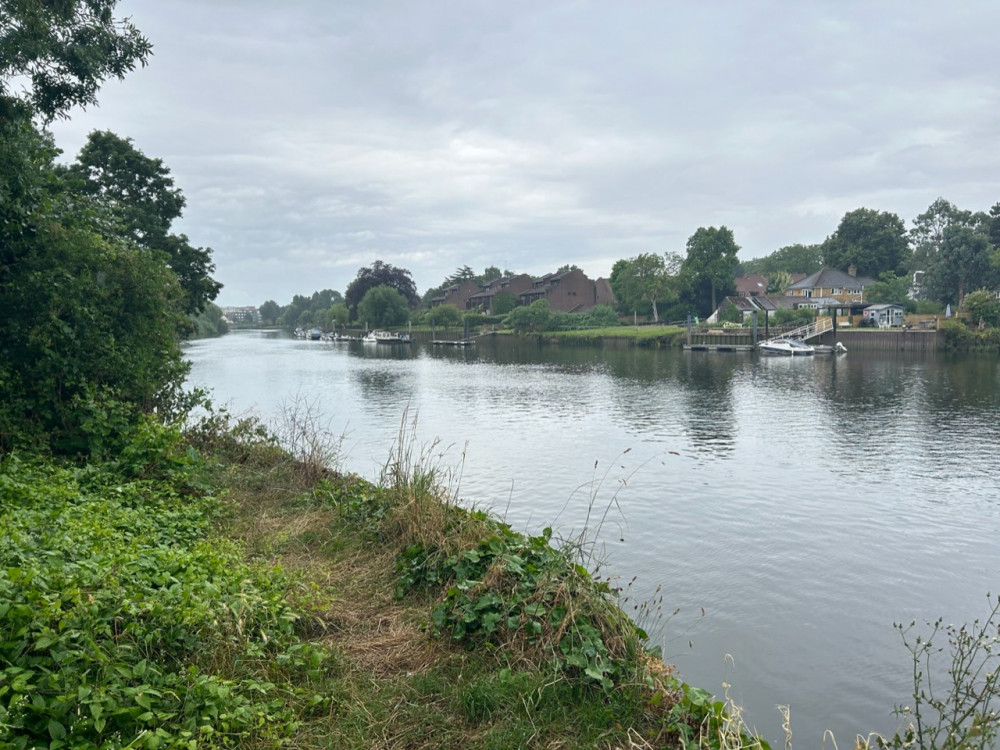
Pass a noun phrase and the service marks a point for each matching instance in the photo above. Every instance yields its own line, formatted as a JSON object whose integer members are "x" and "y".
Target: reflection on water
{"x": 806, "y": 504}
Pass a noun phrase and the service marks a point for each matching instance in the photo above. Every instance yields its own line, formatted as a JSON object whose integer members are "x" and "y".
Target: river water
{"x": 792, "y": 510}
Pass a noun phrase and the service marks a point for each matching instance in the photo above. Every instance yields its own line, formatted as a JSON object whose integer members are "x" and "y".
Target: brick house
{"x": 457, "y": 295}
{"x": 571, "y": 291}
{"x": 829, "y": 282}
{"x": 483, "y": 298}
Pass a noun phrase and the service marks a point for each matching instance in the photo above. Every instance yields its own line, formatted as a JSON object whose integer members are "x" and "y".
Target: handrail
{"x": 820, "y": 326}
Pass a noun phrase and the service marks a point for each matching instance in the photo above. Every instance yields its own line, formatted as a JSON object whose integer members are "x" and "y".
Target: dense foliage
{"x": 380, "y": 274}
{"x": 119, "y": 605}
{"x": 641, "y": 283}
{"x": 708, "y": 270}
{"x": 93, "y": 307}
{"x": 538, "y": 316}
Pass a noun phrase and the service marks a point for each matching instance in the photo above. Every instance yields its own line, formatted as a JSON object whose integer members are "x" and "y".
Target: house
{"x": 571, "y": 291}
{"x": 483, "y": 298}
{"x": 829, "y": 282}
{"x": 884, "y": 315}
{"x": 753, "y": 285}
{"x": 747, "y": 306}
{"x": 457, "y": 295}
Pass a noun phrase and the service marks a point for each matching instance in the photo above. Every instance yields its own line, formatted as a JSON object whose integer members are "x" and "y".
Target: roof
{"x": 751, "y": 283}
{"x": 884, "y": 306}
{"x": 831, "y": 278}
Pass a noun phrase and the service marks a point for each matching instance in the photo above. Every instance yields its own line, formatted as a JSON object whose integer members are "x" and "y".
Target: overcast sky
{"x": 312, "y": 137}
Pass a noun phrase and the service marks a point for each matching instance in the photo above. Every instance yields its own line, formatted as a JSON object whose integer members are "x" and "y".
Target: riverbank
{"x": 209, "y": 588}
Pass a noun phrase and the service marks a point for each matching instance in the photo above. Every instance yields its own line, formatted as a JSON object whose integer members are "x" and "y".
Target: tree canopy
{"x": 383, "y": 306}
{"x": 380, "y": 274}
{"x": 140, "y": 195}
{"x": 641, "y": 282}
{"x": 872, "y": 241}
{"x": 92, "y": 317}
{"x": 64, "y": 50}
{"x": 964, "y": 261}
{"x": 791, "y": 259}
{"x": 708, "y": 270}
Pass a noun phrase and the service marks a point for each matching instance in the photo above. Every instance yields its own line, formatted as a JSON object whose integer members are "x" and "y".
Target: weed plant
{"x": 209, "y": 589}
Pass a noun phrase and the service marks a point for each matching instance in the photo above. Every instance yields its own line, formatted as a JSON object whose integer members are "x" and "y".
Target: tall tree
{"x": 872, "y": 241}
{"x": 63, "y": 51}
{"x": 269, "y": 312}
{"x": 383, "y": 306}
{"x": 791, "y": 259}
{"x": 963, "y": 262}
{"x": 928, "y": 231}
{"x": 641, "y": 281}
{"x": 380, "y": 274}
{"x": 994, "y": 226}
{"x": 140, "y": 194}
{"x": 91, "y": 322}
{"x": 709, "y": 267}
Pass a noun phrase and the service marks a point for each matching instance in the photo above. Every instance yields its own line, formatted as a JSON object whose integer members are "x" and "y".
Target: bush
{"x": 799, "y": 317}
{"x": 982, "y": 305}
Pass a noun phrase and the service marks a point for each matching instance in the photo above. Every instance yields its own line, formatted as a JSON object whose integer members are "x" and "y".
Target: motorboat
{"x": 786, "y": 347}
{"x": 378, "y": 336}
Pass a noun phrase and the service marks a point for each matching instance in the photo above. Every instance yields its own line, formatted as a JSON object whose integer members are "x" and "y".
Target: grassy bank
{"x": 208, "y": 590}
{"x": 652, "y": 336}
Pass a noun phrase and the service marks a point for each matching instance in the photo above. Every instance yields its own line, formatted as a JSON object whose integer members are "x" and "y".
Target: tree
{"x": 791, "y": 259}
{"x": 568, "y": 267}
{"x": 444, "y": 316}
{"x": 982, "y": 305}
{"x": 64, "y": 51}
{"x": 964, "y": 260}
{"x": 534, "y": 317}
{"x": 889, "y": 288}
{"x": 269, "y": 312}
{"x": 640, "y": 281}
{"x": 709, "y": 267}
{"x": 339, "y": 315}
{"x": 994, "y": 226}
{"x": 92, "y": 321}
{"x": 380, "y": 274}
{"x": 383, "y": 306}
{"x": 778, "y": 282}
{"x": 872, "y": 241}
{"x": 140, "y": 195}
{"x": 503, "y": 303}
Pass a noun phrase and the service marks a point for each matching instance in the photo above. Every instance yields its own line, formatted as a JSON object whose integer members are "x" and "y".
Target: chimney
{"x": 852, "y": 270}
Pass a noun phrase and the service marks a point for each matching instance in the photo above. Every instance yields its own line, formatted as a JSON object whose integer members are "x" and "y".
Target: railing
{"x": 819, "y": 327}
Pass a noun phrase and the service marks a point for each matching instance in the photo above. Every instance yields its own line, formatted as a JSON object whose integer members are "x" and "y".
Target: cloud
{"x": 312, "y": 138}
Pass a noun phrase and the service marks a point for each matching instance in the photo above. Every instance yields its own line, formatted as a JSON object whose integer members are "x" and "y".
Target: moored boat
{"x": 786, "y": 347}
{"x": 378, "y": 336}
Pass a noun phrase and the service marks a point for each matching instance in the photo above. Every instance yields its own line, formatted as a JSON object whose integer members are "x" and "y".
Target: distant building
{"x": 753, "y": 285}
{"x": 457, "y": 295}
{"x": 483, "y": 299}
{"x": 885, "y": 315}
{"x": 829, "y": 282}
{"x": 571, "y": 291}
{"x": 241, "y": 314}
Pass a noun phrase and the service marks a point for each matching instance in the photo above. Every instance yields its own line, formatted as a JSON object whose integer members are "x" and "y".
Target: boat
{"x": 378, "y": 336}
{"x": 786, "y": 347}
{"x": 315, "y": 334}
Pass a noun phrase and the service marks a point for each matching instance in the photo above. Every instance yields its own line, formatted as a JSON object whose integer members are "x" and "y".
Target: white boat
{"x": 378, "y": 336}
{"x": 785, "y": 347}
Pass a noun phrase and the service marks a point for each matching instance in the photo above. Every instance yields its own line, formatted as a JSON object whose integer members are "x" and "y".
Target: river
{"x": 791, "y": 510}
